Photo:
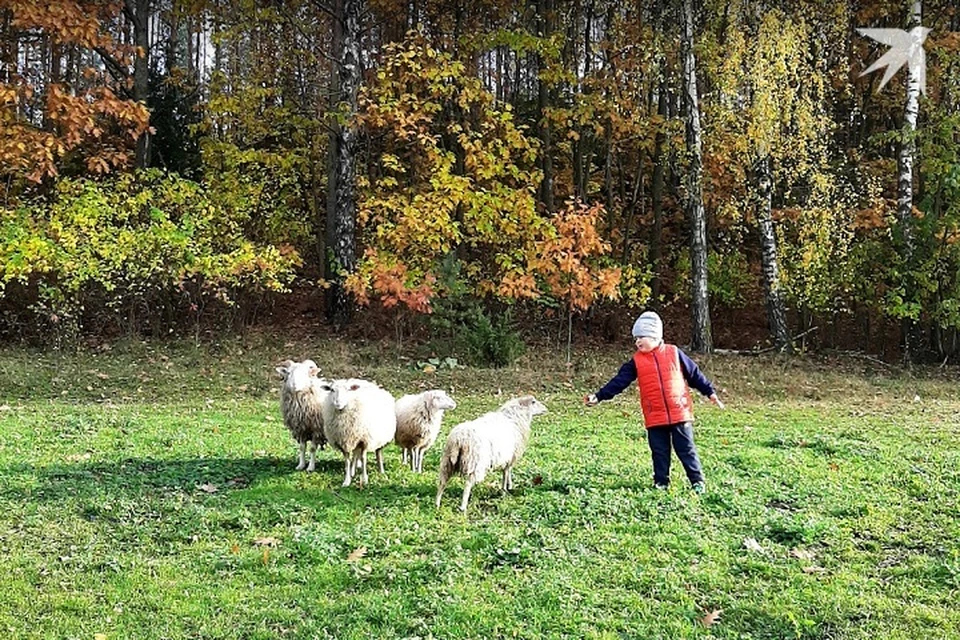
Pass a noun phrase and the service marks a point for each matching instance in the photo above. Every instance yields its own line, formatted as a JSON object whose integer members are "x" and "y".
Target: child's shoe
{"x": 699, "y": 487}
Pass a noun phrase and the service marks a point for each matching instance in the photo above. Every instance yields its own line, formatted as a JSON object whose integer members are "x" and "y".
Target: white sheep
{"x": 492, "y": 441}
{"x": 418, "y": 423}
{"x": 301, "y": 403}
{"x": 359, "y": 416}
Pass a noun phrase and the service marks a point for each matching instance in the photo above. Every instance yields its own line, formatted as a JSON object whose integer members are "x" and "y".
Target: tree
{"x": 905, "y": 163}
{"x": 342, "y": 218}
{"x": 701, "y": 340}
{"x": 49, "y": 109}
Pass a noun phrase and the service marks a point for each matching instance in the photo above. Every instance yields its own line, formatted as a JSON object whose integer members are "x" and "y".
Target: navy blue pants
{"x": 681, "y": 437}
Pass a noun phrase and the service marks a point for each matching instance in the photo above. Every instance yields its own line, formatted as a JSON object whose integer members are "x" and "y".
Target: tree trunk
{"x": 909, "y": 327}
{"x": 544, "y": 15}
{"x": 701, "y": 340}
{"x": 138, "y": 12}
{"x": 656, "y": 190}
{"x": 341, "y": 222}
{"x": 776, "y": 310}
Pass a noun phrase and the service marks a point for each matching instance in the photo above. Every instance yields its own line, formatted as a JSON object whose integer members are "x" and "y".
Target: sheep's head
{"x": 298, "y": 376}
{"x": 440, "y": 401}
{"x": 534, "y": 406}
{"x": 343, "y": 391}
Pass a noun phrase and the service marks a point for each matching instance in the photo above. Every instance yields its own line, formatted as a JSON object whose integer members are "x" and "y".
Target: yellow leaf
{"x": 711, "y": 618}
{"x": 266, "y": 542}
{"x": 356, "y": 554}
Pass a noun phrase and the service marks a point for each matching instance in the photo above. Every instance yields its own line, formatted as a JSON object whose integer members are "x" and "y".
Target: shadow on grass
{"x": 237, "y": 479}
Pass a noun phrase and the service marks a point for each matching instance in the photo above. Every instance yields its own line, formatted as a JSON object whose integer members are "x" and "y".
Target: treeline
{"x": 164, "y": 162}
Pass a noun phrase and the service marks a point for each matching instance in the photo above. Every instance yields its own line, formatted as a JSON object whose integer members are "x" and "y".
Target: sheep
{"x": 418, "y": 423}
{"x": 492, "y": 441}
{"x": 359, "y": 416}
{"x": 301, "y": 403}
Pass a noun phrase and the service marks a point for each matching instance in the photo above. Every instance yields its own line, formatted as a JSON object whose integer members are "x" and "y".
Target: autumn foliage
{"x": 42, "y": 122}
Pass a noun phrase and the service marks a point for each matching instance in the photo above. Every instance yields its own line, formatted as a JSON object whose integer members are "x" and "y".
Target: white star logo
{"x": 906, "y": 47}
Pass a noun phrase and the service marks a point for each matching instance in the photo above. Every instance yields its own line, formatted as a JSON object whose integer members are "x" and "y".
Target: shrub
{"x": 152, "y": 246}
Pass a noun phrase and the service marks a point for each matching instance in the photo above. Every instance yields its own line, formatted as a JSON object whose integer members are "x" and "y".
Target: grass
{"x": 148, "y": 490}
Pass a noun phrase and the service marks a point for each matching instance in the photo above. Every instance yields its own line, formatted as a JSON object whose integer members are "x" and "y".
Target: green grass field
{"x": 149, "y": 491}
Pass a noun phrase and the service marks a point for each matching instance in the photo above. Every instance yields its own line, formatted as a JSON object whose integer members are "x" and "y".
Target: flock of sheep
{"x": 357, "y": 416}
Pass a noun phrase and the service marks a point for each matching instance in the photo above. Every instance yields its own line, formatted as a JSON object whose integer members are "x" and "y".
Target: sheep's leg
{"x": 441, "y": 484}
{"x": 364, "y": 479}
{"x": 348, "y": 463}
{"x": 420, "y": 453}
{"x": 302, "y": 445}
{"x": 403, "y": 460}
{"x": 380, "y": 460}
{"x": 467, "y": 485}
{"x": 313, "y": 456}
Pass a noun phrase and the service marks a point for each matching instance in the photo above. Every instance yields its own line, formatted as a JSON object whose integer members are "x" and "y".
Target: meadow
{"x": 148, "y": 490}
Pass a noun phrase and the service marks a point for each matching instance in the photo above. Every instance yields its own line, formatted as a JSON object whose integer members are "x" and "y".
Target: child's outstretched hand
{"x": 590, "y": 400}
{"x": 717, "y": 401}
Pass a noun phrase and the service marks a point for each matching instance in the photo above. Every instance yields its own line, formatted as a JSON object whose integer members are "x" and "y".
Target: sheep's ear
{"x": 527, "y": 401}
{"x": 354, "y": 387}
{"x": 284, "y": 368}
{"x": 314, "y": 371}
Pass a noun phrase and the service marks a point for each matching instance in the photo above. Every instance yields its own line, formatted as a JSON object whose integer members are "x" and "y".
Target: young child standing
{"x": 662, "y": 372}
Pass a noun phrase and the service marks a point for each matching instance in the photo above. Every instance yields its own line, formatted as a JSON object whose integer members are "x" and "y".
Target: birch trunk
{"x": 701, "y": 340}
{"x": 776, "y": 309}
{"x": 341, "y": 222}
{"x": 905, "y": 163}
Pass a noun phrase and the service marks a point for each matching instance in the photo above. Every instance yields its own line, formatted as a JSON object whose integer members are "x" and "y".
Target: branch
{"x": 119, "y": 72}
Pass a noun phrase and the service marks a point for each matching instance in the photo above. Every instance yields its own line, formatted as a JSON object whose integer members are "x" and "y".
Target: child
{"x": 662, "y": 372}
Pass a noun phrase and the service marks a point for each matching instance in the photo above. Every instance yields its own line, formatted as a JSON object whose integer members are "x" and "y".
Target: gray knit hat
{"x": 648, "y": 325}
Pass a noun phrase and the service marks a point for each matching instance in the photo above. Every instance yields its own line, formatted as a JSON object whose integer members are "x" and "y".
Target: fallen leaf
{"x": 356, "y": 554}
{"x": 103, "y": 376}
{"x": 537, "y": 480}
{"x": 812, "y": 569}
{"x": 266, "y": 555}
{"x": 752, "y": 545}
{"x": 4, "y": 407}
{"x": 99, "y": 636}
{"x": 207, "y": 487}
{"x": 266, "y": 542}
{"x": 834, "y": 466}
{"x": 429, "y": 369}
{"x": 711, "y": 618}
{"x": 235, "y": 549}
{"x": 802, "y": 554}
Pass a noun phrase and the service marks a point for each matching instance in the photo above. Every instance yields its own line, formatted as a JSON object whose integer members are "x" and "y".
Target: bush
{"x": 460, "y": 325}
{"x": 137, "y": 249}
{"x": 490, "y": 341}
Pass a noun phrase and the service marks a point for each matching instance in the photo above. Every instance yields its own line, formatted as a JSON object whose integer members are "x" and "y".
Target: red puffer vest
{"x": 664, "y": 395}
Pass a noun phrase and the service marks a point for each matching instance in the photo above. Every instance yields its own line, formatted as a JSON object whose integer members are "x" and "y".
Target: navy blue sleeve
{"x": 693, "y": 375}
{"x": 619, "y": 382}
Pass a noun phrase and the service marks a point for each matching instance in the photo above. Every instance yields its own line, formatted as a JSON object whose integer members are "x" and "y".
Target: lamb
{"x": 301, "y": 403}
{"x": 359, "y": 416}
{"x": 418, "y": 423}
{"x": 492, "y": 441}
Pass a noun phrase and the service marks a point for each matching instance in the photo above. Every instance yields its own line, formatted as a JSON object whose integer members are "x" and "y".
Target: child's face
{"x": 646, "y": 345}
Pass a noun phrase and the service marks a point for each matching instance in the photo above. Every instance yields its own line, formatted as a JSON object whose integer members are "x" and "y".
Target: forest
{"x": 169, "y": 166}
